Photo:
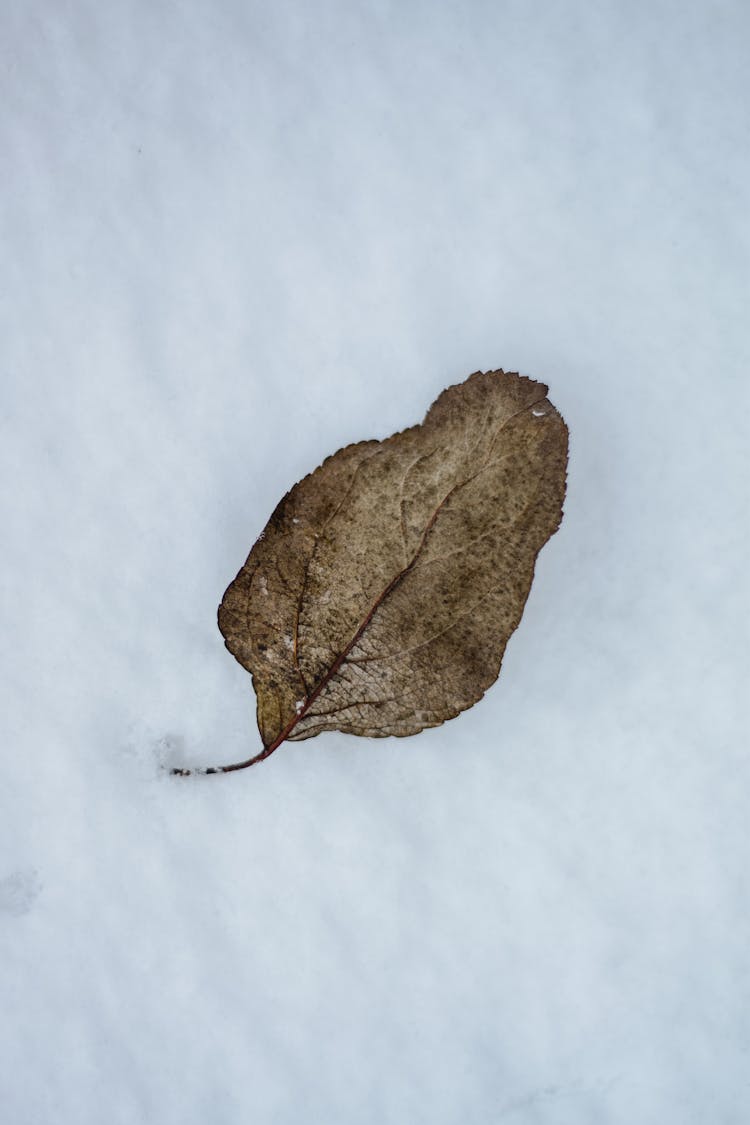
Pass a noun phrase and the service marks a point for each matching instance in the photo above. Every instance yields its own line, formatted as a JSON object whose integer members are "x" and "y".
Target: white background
{"x": 236, "y": 236}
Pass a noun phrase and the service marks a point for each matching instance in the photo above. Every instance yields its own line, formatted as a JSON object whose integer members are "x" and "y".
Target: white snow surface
{"x": 237, "y": 236}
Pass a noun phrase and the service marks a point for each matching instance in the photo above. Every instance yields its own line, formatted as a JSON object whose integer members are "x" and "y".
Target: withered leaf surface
{"x": 381, "y": 595}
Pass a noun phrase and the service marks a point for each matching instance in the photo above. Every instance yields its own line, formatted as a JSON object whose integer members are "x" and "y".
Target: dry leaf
{"x": 381, "y": 595}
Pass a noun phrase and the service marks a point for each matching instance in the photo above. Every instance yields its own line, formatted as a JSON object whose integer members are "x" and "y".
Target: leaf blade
{"x": 351, "y": 610}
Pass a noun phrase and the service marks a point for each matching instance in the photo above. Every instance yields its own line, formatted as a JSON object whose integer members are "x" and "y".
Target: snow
{"x": 237, "y": 237}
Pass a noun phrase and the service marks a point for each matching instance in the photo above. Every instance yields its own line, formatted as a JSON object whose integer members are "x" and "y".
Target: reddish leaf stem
{"x": 282, "y": 737}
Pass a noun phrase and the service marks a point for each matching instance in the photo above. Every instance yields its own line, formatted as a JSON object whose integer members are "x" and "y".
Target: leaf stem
{"x": 178, "y": 771}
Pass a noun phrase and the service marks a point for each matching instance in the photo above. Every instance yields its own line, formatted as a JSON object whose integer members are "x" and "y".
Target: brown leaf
{"x": 381, "y": 595}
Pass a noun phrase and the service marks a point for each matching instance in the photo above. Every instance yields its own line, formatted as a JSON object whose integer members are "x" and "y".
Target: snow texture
{"x": 237, "y": 236}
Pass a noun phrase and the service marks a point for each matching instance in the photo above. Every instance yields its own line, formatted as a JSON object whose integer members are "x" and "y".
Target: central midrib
{"x": 336, "y": 665}
{"x": 334, "y": 668}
